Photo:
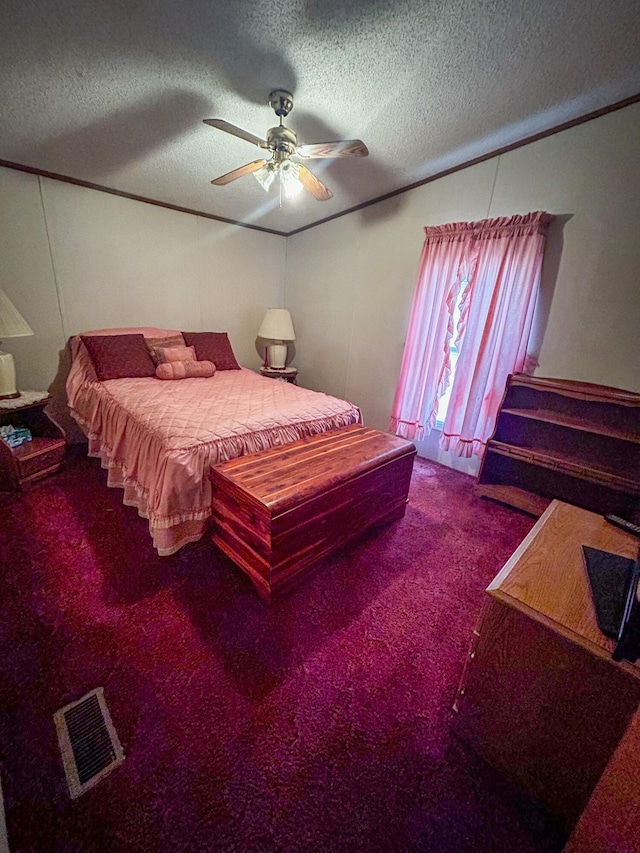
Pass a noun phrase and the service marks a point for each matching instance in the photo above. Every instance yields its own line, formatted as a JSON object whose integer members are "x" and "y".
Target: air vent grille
{"x": 88, "y": 741}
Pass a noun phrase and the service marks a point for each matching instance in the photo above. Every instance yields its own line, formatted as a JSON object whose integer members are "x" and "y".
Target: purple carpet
{"x": 321, "y": 724}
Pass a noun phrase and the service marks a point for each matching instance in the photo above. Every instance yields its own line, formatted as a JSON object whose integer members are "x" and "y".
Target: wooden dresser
{"x": 573, "y": 441}
{"x": 541, "y": 698}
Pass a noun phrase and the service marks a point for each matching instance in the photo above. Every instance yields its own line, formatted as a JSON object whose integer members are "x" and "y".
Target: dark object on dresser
{"x": 614, "y": 583}
{"x": 36, "y": 458}
{"x": 574, "y": 441}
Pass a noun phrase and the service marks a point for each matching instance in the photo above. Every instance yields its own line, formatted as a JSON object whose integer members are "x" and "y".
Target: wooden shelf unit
{"x": 573, "y": 441}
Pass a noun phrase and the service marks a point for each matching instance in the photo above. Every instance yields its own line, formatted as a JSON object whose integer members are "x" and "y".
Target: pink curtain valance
{"x": 484, "y": 229}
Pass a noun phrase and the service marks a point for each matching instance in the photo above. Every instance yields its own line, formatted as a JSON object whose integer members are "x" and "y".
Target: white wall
{"x": 26, "y": 276}
{"x": 350, "y": 282}
{"x": 74, "y": 259}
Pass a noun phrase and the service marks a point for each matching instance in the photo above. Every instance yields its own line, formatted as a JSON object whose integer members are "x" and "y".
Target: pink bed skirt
{"x": 166, "y": 540}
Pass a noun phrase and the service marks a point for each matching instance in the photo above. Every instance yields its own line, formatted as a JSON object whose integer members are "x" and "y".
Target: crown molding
{"x": 618, "y": 105}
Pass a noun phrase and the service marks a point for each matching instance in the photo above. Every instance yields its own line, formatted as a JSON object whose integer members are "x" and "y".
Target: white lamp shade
{"x": 277, "y": 325}
{"x": 12, "y": 323}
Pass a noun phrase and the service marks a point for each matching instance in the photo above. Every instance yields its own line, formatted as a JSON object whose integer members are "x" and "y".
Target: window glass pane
{"x": 443, "y": 402}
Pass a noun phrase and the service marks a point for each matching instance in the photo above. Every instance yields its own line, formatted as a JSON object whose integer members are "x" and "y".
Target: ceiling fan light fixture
{"x": 265, "y": 176}
{"x": 288, "y": 174}
{"x": 290, "y": 179}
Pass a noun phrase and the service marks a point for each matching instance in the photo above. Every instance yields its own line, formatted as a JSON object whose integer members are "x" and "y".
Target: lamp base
{"x": 7, "y": 377}
{"x": 277, "y": 356}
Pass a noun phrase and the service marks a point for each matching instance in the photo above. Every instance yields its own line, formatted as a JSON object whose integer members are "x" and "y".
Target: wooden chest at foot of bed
{"x": 277, "y": 514}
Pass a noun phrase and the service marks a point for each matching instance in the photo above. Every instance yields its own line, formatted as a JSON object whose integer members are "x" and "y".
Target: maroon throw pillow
{"x": 212, "y": 346}
{"x": 119, "y": 356}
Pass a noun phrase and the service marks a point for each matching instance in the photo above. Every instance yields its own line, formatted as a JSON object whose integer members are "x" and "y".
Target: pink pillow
{"x": 161, "y": 355}
{"x": 119, "y": 356}
{"x": 185, "y": 369}
{"x": 213, "y": 346}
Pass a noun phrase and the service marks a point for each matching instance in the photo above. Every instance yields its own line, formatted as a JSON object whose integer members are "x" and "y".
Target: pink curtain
{"x": 424, "y": 374}
{"x": 501, "y": 259}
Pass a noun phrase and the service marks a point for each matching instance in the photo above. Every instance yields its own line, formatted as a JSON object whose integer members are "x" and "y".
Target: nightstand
{"x": 286, "y": 374}
{"x": 33, "y": 459}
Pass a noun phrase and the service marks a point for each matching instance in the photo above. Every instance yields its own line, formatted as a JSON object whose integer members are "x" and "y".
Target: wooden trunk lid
{"x": 284, "y": 477}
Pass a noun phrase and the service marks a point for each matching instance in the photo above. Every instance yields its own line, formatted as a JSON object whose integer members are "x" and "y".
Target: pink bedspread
{"x": 158, "y": 439}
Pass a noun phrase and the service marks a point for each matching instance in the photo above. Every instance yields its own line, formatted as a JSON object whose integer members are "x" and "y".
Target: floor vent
{"x": 88, "y": 741}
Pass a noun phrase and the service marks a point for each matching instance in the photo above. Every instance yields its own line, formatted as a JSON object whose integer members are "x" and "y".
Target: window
{"x": 443, "y": 402}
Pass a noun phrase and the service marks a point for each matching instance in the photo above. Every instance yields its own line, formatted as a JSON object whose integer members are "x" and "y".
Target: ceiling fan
{"x": 282, "y": 142}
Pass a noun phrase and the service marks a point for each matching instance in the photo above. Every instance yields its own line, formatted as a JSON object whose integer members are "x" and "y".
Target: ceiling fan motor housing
{"x": 282, "y": 139}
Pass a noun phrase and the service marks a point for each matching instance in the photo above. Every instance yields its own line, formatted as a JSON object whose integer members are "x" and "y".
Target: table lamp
{"x": 278, "y": 328}
{"x": 12, "y": 325}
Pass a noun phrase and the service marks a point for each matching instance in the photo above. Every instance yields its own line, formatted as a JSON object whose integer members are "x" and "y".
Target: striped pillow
{"x": 181, "y": 353}
{"x": 185, "y": 369}
{"x": 154, "y": 344}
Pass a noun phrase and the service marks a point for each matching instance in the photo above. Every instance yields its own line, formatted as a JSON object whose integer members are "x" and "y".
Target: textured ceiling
{"x": 115, "y": 92}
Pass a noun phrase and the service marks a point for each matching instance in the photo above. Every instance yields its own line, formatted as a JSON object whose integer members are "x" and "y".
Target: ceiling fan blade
{"x": 221, "y": 124}
{"x": 238, "y": 173}
{"x": 312, "y": 184}
{"x": 341, "y": 148}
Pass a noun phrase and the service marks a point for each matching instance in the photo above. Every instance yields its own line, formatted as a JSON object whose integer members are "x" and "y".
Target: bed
{"x": 158, "y": 439}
